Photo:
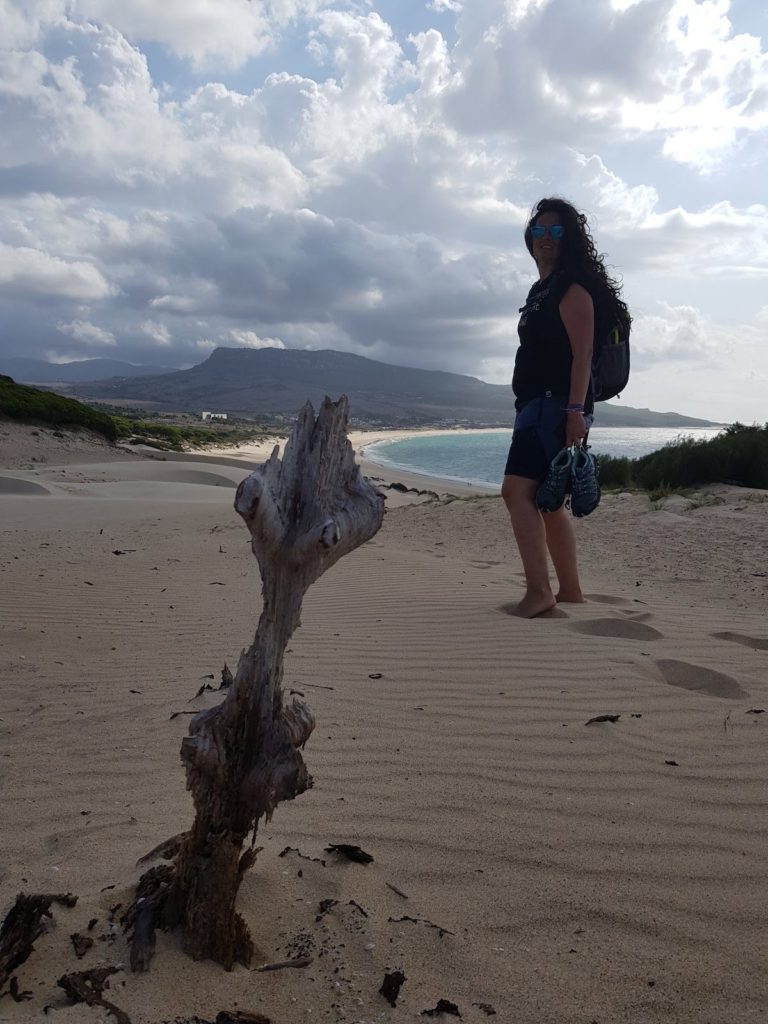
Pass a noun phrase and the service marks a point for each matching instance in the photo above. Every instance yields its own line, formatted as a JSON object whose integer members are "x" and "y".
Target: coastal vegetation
{"x": 32, "y": 405}
{"x": 737, "y": 455}
{"x": 179, "y": 437}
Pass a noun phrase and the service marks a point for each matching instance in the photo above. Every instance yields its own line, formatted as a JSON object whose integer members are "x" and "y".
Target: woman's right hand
{"x": 575, "y": 428}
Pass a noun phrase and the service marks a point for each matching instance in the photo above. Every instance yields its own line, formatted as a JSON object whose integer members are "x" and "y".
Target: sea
{"x": 478, "y": 456}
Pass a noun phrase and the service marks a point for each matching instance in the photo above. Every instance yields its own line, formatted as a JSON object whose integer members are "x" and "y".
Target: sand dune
{"x": 18, "y": 485}
{"x": 144, "y": 480}
{"x": 554, "y": 871}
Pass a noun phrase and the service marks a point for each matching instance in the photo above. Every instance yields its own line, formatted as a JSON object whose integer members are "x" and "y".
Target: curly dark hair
{"x": 578, "y": 250}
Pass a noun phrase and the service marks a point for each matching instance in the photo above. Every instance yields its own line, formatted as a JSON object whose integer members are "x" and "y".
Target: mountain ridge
{"x": 39, "y": 371}
{"x": 278, "y": 382}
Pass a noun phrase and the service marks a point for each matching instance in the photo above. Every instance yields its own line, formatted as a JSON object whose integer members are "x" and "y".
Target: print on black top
{"x": 544, "y": 358}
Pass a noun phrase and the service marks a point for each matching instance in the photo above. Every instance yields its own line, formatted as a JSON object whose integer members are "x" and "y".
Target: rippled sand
{"x": 614, "y": 872}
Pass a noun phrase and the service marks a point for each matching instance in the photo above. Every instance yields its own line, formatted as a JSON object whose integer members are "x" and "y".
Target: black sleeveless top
{"x": 544, "y": 358}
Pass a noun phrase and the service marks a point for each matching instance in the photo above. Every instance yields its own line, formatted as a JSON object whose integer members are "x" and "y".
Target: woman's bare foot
{"x": 570, "y": 597}
{"x": 535, "y": 602}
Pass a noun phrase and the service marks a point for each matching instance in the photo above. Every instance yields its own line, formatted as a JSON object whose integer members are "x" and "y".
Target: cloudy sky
{"x": 356, "y": 175}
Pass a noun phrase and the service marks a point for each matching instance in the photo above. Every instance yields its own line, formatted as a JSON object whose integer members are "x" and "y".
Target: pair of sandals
{"x": 572, "y": 471}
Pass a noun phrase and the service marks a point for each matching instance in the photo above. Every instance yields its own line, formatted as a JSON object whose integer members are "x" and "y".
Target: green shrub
{"x": 30, "y": 405}
{"x": 179, "y": 437}
{"x": 737, "y": 455}
{"x": 615, "y": 472}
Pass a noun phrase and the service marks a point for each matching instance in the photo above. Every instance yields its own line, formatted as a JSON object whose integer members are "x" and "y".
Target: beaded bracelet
{"x": 574, "y": 408}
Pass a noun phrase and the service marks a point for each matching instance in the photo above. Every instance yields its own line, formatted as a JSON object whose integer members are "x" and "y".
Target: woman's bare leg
{"x": 519, "y": 495}
{"x": 561, "y": 542}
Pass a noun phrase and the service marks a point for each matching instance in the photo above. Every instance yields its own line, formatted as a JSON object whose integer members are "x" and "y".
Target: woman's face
{"x": 547, "y": 249}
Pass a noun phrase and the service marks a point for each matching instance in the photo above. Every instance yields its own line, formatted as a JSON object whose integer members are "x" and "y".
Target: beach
{"x": 363, "y": 441}
{"x": 527, "y": 867}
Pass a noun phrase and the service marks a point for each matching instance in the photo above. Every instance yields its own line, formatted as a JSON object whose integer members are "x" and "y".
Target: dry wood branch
{"x": 144, "y": 914}
{"x": 167, "y": 849}
{"x": 81, "y": 944}
{"x": 395, "y": 889}
{"x": 294, "y": 849}
{"x": 88, "y": 987}
{"x": 241, "y": 1017}
{"x": 23, "y": 925}
{"x": 248, "y": 859}
{"x": 17, "y": 994}
{"x": 243, "y": 757}
{"x": 421, "y": 920}
{"x": 280, "y": 965}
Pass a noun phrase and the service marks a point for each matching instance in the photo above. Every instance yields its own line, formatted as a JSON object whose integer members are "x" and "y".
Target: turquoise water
{"x": 479, "y": 457}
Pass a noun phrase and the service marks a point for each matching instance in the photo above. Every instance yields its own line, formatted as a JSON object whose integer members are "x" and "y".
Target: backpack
{"x": 610, "y": 350}
{"x": 610, "y": 355}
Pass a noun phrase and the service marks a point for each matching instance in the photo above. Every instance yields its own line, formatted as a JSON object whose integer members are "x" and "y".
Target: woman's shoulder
{"x": 582, "y": 276}
{"x": 590, "y": 282}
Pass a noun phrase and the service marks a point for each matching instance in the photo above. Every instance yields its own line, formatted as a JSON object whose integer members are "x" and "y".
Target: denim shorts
{"x": 538, "y": 435}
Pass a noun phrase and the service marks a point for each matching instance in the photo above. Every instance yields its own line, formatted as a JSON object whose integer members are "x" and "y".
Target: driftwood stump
{"x": 243, "y": 756}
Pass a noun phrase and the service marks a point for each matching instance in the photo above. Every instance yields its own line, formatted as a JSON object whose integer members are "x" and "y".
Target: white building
{"x": 213, "y": 415}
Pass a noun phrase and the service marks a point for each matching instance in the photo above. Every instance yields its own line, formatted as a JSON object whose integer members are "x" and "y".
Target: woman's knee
{"x": 517, "y": 491}
{"x": 507, "y": 490}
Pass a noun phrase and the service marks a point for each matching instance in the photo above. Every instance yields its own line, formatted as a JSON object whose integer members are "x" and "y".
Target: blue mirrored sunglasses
{"x": 555, "y": 231}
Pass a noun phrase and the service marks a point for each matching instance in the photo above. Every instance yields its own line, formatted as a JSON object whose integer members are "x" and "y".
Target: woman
{"x": 553, "y": 395}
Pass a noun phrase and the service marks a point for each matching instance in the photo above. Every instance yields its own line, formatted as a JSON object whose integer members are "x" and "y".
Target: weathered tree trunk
{"x": 243, "y": 756}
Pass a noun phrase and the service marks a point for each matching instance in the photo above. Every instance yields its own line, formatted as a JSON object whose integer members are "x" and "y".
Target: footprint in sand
{"x": 746, "y": 641}
{"x": 626, "y": 629}
{"x": 702, "y": 680}
{"x": 553, "y": 613}
{"x": 636, "y": 616}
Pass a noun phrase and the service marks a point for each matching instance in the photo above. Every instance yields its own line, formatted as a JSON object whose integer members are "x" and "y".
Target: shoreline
{"x": 362, "y": 442}
{"x": 365, "y": 450}
{"x": 367, "y": 443}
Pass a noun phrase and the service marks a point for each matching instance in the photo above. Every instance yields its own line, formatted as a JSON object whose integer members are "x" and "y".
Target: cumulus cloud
{"x": 28, "y": 271}
{"x": 681, "y": 354}
{"x": 670, "y": 69}
{"x": 250, "y": 339}
{"x": 84, "y": 107}
{"x": 156, "y": 331}
{"x": 236, "y": 338}
{"x": 24, "y": 21}
{"x": 714, "y": 87}
{"x": 87, "y": 333}
{"x": 677, "y": 334}
{"x": 208, "y": 33}
{"x": 376, "y": 202}
{"x": 175, "y": 303}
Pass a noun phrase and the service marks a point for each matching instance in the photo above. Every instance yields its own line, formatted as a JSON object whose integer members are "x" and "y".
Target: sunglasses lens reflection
{"x": 555, "y": 231}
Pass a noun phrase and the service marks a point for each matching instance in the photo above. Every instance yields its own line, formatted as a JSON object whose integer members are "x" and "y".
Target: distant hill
{"x": 38, "y": 371}
{"x": 250, "y": 382}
